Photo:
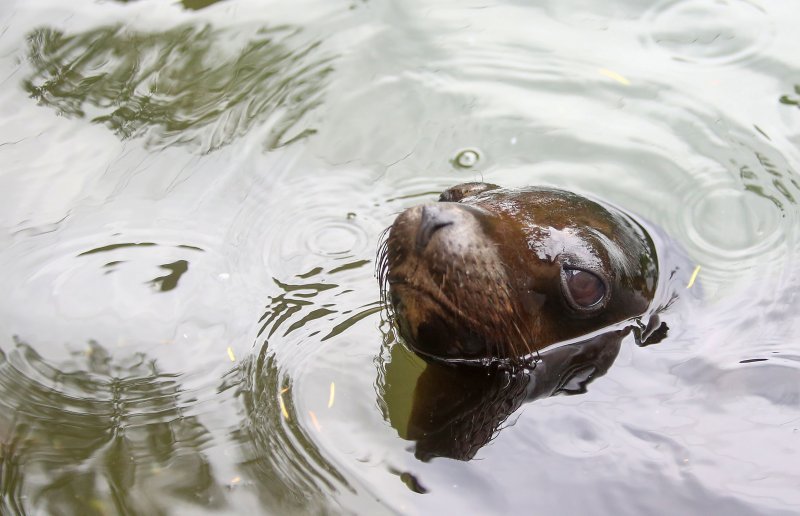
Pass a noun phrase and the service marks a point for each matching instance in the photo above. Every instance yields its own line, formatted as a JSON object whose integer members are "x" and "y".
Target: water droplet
{"x": 467, "y": 158}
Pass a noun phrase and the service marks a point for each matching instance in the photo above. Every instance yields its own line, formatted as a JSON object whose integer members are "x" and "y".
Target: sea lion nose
{"x": 433, "y": 219}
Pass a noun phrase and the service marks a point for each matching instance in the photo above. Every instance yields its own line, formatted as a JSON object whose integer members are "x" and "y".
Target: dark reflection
{"x": 179, "y": 87}
{"x": 162, "y": 283}
{"x": 170, "y": 281}
{"x": 97, "y": 436}
{"x": 791, "y": 100}
{"x": 296, "y": 306}
{"x": 291, "y": 472}
{"x": 770, "y": 180}
{"x": 113, "y": 247}
{"x": 194, "y": 5}
{"x": 296, "y": 300}
{"x": 453, "y": 411}
{"x": 11, "y": 501}
{"x": 280, "y": 453}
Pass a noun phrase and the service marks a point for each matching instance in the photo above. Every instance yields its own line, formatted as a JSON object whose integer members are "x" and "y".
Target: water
{"x": 191, "y": 196}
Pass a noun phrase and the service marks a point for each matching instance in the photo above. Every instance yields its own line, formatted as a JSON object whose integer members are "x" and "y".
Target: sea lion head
{"x": 495, "y": 274}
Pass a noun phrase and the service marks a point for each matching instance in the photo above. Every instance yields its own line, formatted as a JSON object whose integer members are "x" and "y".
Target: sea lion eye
{"x": 583, "y": 288}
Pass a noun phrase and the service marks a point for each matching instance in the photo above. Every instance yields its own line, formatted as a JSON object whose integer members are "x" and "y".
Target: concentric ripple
{"x": 130, "y": 287}
{"x": 316, "y": 229}
{"x": 305, "y": 221}
{"x": 710, "y": 31}
{"x": 98, "y": 434}
{"x": 192, "y": 203}
{"x": 730, "y": 223}
{"x": 279, "y": 450}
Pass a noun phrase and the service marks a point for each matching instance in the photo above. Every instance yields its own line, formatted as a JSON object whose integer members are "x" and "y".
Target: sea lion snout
{"x": 432, "y": 219}
{"x": 436, "y": 231}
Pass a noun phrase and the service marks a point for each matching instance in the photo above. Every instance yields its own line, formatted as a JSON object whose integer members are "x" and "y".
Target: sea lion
{"x": 494, "y": 275}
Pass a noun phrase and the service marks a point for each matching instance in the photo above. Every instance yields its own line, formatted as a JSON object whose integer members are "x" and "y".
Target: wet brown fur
{"x": 488, "y": 285}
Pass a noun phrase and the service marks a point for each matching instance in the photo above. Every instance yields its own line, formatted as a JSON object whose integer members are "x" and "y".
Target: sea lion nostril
{"x": 433, "y": 219}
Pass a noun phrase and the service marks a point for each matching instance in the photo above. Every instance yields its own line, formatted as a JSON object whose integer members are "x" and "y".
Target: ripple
{"x": 466, "y": 158}
{"x": 80, "y": 273}
{"x": 327, "y": 231}
{"x": 100, "y": 433}
{"x": 336, "y": 236}
{"x": 135, "y": 286}
{"x": 315, "y": 248}
{"x": 731, "y": 224}
{"x": 581, "y": 439}
{"x": 630, "y": 139}
{"x": 591, "y": 123}
{"x": 292, "y": 264}
{"x": 709, "y": 31}
{"x": 278, "y": 449}
{"x": 310, "y": 220}
{"x": 156, "y": 86}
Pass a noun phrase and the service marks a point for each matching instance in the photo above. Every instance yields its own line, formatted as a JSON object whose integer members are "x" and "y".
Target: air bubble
{"x": 467, "y": 158}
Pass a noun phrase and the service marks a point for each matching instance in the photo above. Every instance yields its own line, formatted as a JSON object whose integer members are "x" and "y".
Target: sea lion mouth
{"x": 437, "y": 326}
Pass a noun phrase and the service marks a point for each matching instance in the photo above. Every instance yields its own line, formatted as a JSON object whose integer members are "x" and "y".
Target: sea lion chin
{"x": 493, "y": 274}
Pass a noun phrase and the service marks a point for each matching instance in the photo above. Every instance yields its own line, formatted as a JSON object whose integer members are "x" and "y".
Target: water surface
{"x": 192, "y": 195}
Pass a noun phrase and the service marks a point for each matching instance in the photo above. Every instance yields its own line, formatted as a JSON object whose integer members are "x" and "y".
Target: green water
{"x": 191, "y": 199}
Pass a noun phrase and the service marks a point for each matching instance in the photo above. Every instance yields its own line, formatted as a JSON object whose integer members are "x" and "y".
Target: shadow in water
{"x": 453, "y": 411}
{"x": 97, "y": 436}
{"x": 190, "y": 85}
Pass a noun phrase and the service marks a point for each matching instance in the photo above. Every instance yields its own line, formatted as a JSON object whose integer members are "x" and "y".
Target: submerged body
{"x": 495, "y": 274}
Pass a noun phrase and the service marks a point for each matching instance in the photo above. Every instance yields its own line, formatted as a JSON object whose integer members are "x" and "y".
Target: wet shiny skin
{"x": 491, "y": 272}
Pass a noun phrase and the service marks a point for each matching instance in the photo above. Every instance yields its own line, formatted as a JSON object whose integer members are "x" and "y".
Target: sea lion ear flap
{"x": 458, "y": 192}
{"x": 654, "y": 332}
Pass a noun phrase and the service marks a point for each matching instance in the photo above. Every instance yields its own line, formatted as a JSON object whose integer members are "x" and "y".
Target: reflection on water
{"x": 280, "y": 455}
{"x": 188, "y": 4}
{"x": 170, "y": 281}
{"x": 178, "y": 87}
{"x": 97, "y": 436}
{"x": 295, "y": 307}
{"x": 149, "y": 201}
{"x": 279, "y": 450}
{"x": 792, "y": 100}
{"x": 198, "y": 4}
{"x": 453, "y": 411}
